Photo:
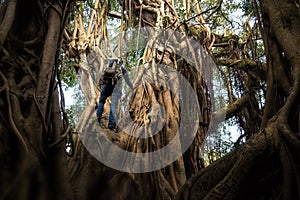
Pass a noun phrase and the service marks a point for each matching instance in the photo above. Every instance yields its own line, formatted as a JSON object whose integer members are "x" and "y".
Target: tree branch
{"x": 249, "y": 66}
{"x": 115, "y": 15}
{"x": 230, "y": 111}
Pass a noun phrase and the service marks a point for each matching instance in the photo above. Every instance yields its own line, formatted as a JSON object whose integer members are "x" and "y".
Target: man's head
{"x": 112, "y": 61}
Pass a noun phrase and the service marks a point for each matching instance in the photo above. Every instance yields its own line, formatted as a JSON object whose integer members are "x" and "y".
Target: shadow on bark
{"x": 266, "y": 167}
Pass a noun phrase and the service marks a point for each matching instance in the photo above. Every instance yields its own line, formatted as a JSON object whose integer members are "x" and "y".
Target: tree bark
{"x": 163, "y": 183}
{"x": 267, "y": 166}
{"x": 32, "y": 153}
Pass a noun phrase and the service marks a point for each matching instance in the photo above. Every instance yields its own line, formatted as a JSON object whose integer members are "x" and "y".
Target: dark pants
{"x": 106, "y": 91}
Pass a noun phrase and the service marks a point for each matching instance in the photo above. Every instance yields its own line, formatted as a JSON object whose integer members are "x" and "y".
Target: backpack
{"x": 111, "y": 72}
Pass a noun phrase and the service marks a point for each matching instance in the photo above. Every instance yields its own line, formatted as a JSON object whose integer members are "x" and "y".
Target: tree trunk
{"x": 152, "y": 96}
{"x": 32, "y": 153}
{"x": 164, "y": 183}
{"x": 267, "y": 166}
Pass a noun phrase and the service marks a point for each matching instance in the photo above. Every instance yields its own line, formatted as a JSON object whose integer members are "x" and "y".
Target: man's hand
{"x": 134, "y": 86}
{"x": 119, "y": 61}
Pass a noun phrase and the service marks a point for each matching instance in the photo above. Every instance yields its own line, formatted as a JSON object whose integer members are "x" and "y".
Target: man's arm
{"x": 126, "y": 77}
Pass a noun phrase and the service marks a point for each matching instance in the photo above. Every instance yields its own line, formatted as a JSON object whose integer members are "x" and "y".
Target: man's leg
{"x": 102, "y": 99}
{"x": 116, "y": 95}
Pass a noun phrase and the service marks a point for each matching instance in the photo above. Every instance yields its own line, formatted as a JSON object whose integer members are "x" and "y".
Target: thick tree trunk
{"x": 162, "y": 183}
{"x": 32, "y": 153}
{"x": 241, "y": 174}
{"x": 267, "y": 166}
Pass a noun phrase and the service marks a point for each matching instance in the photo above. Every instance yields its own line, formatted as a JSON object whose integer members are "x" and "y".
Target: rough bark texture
{"x": 164, "y": 183}
{"x": 267, "y": 166}
{"x": 160, "y": 184}
{"x": 33, "y": 162}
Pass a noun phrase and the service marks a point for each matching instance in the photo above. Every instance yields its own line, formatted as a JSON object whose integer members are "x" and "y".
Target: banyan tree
{"x": 171, "y": 72}
{"x": 173, "y": 50}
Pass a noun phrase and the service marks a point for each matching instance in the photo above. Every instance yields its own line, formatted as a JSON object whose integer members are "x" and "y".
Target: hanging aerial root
{"x": 10, "y": 113}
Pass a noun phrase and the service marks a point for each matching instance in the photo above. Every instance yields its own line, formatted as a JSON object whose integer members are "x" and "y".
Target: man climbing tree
{"x": 33, "y": 124}
{"x": 246, "y": 70}
{"x": 112, "y": 73}
{"x": 155, "y": 108}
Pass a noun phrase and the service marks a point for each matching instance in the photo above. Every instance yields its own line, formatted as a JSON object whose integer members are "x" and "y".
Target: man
{"x": 111, "y": 75}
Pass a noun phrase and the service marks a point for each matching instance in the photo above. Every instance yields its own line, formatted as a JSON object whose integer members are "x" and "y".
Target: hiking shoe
{"x": 99, "y": 119}
{"x": 114, "y": 129}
